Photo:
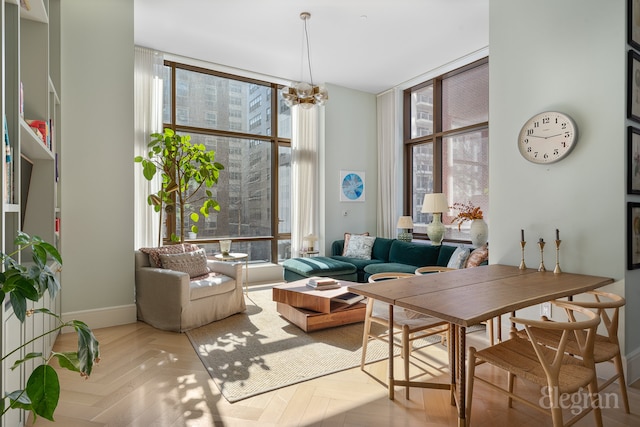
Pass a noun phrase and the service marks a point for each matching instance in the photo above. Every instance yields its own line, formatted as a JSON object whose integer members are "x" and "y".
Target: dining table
{"x": 466, "y": 297}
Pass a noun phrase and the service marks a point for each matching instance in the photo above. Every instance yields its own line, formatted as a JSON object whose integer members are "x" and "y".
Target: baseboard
{"x": 103, "y": 317}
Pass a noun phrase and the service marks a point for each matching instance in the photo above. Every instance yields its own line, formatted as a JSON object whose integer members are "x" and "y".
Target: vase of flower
{"x": 479, "y": 232}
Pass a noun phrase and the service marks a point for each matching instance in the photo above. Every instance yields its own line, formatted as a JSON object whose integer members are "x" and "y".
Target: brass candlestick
{"x": 557, "y": 269}
{"x": 523, "y": 266}
{"x": 541, "y": 244}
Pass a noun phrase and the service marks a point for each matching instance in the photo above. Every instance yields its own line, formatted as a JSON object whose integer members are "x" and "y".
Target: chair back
{"x": 607, "y": 305}
{"x": 432, "y": 269}
{"x": 388, "y": 276}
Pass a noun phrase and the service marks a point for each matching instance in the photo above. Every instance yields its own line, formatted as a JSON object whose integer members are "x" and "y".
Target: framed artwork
{"x": 352, "y": 186}
{"x": 633, "y": 235}
{"x": 633, "y": 23}
{"x": 633, "y": 160}
{"x": 633, "y": 86}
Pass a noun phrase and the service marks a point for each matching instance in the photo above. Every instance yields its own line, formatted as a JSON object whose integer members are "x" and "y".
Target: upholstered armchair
{"x": 174, "y": 301}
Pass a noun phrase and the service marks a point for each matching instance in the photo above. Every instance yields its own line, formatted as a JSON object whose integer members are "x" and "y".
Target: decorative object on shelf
{"x": 405, "y": 223}
{"x": 479, "y": 230}
{"x": 352, "y": 186}
{"x": 435, "y": 203}
{"x": 192, "y": 235}
{"x": 541, "y": 246}
{"x": 523, "y": 243}
{"x": 558, "y": 241}
{"x": 20, "y": 283}
{"x": 302, "y": 93}
{"x": 309, "y": 242}
{"x": 186, "y": 168}
{"x": 547, "y": 137}
{"x": 633, "y": 235}
{"x": 225, "y": 247}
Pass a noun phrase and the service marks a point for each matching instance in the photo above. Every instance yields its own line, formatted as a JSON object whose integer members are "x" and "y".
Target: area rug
{"x": 259, "y": 351}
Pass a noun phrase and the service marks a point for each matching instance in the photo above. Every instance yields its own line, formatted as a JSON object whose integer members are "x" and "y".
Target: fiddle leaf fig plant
{"x": 22, "y": 283}
{"x": 188, "y": 172}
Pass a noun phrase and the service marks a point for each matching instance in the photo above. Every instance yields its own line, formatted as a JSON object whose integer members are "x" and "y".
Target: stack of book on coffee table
{"x": 323, "y": 283}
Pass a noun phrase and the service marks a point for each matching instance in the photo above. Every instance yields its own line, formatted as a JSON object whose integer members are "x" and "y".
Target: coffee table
{"x": 311, "y": 309}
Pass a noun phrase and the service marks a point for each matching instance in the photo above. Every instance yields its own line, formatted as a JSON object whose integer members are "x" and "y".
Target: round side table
{"x": 237, "y": 256}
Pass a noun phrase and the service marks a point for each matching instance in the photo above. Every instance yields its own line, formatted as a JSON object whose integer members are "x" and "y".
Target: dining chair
{"x": 547, "y": 366}
{"x": 410, "y": 324}
{"x": 606, "y": 347}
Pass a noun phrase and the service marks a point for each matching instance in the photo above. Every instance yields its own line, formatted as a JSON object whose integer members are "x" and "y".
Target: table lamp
{"x": 405, "y": 223}
{"x": 308, "y": 242}
{"x": 435, "y": 203}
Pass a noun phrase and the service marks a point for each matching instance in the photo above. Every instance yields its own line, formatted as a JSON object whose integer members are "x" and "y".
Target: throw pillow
{"x": 154, "y": 253}
{"x": 478, "y": 256}
{"x": 347, "y": 239}
{"x": 459, "y": 257}
{"x": 193, "y": 263}
{"x": 360, "y": 247}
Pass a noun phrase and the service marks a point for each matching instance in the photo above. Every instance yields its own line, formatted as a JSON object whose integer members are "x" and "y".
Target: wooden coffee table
{"x": 312, "y": 309}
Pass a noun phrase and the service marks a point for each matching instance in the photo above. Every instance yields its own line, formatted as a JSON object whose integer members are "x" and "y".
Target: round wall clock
{"x": 547, "y": 137}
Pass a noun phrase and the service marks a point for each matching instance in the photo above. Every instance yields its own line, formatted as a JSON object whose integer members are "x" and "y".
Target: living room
{"x": 568, "y": 56}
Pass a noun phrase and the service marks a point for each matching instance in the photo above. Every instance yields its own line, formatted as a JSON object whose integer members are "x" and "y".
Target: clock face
{"x": 547, "y": 137}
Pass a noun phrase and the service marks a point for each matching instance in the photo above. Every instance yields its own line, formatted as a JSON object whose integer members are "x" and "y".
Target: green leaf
{"x": 27, "y": 357}
{"x": 194, "y": 217}
{"x": 18, "y": 399}
{"x": 68, "y": 360}
{"x": 52, "y": 251}
{"x": 19, "y": 305}
{"x": 43, "y": 388}
{"x": 88, "y": 347}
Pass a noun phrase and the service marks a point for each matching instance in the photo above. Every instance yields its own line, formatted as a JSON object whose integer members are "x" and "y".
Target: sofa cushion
{"x": 359, "y": 247}
{"x": 478, "y": 256}
{"x": 318, "y": 266}
{"x": 459, "y": 257}
{"x": 445, "y": 255}
{"x": 154, "y": 253}
{"x": 381, "y": 248}
{"x": 415, "y": 254}
{"x": 211, "y": 284}
{"x": 347, "y": 239}
{"x": 389, "y": 267}
{"x": 193, "y": 263}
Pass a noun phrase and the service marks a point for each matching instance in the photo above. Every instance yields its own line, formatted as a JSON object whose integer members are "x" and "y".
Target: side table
{"x": 308, "y": 253}
{"x": 237, "y": 256}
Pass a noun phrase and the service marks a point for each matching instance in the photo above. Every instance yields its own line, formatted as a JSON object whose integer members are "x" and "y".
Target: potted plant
{"x": 186, "y": 169}
{"x": 22, "y": 283}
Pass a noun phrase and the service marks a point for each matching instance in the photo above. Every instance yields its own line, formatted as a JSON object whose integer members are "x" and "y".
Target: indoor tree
{"x": 188, "y": 172}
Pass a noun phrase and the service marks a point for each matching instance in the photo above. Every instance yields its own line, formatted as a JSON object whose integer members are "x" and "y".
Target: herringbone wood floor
{"x": 149, "y": 377}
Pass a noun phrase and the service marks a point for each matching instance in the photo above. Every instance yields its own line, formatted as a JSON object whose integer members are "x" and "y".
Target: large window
{"x": 447, "y": 144}
{"x": 233, "y": 116}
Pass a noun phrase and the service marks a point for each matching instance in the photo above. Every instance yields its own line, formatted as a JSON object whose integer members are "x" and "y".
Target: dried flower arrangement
{"x": 466, "y": 212}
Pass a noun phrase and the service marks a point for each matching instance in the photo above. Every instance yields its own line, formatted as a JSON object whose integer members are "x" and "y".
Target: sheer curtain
{"x": 388, "y": 165}
{"x": 304, "y": 175}
{"x": 147, "y": 119}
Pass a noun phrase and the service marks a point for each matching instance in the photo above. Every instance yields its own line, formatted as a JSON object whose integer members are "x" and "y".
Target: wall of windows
{"x": 446, "y": 144}
{"x": 232, "y": 116}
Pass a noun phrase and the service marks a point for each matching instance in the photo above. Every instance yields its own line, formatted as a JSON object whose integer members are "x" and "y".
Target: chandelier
{"x": 302, "y": 93}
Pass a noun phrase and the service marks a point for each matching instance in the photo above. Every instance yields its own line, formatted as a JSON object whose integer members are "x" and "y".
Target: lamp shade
{"x": 435, "y": 202}
{"x": 405, "y": 222}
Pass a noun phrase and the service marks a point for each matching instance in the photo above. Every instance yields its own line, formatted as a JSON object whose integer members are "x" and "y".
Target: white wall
{"x": 350, "y": 144}
{"x": 567, "y": 56}
{"x": 97, "y": 159}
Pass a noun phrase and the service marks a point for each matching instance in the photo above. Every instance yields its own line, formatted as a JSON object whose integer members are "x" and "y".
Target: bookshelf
{"x": 30, "y": 55}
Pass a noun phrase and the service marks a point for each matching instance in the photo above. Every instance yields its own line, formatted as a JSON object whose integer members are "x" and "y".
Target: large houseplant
{"x": 30, "y": 282}
{"x": 188, "y": 172}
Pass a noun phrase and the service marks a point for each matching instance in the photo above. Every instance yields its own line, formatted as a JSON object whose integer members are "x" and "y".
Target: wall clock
{"x": 351, "y": 186}
{"x": 547, "y": 137}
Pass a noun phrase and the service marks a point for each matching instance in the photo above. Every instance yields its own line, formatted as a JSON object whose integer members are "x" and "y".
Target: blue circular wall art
{"x": 352, "y": 186}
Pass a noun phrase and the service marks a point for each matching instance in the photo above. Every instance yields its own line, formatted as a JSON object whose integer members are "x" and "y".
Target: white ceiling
{"x": 367, "y": 45}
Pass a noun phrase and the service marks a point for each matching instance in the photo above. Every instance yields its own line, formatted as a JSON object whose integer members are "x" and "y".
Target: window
{"x": 447, "y": 144}
{"x": 225, "y": 113}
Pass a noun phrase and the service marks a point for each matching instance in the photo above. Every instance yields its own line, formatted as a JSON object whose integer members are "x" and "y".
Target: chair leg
{"x": 406, "y": 352}
{"x": 490, "y": 326}
{"x": 366, "y": 331}
{"x": 617, "y": 360}
{"x": 556, "y": 409}
{"x": 510, "y": 379}
{"x": 595, "y": 401}
{"x": 471, "y": 370}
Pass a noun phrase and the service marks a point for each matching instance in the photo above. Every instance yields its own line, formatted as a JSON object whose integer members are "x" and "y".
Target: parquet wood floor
{"x": 149, "y": 377}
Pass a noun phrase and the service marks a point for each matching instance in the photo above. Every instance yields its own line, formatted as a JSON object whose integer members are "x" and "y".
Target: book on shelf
{"x": 349, "y": 298}
{"x": 323, "y": 283}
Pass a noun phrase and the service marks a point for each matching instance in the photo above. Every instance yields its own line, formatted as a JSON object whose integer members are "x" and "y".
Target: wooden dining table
{"x": 467, "y": 297}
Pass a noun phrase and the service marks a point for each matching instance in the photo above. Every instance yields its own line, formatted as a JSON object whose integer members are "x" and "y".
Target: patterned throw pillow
{"x": 478, "y": 256}
{"x": 154, "y": 253}
{"x": 360, "y": 247}
{"x": 193, "y": 263}
{"x": 459, "y": 257}
{"x": 347, "y": 239}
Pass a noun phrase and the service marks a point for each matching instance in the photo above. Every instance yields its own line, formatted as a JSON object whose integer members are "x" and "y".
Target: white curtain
{"x": 304, "y": 175}
{"x": 147, "y": 119}
{"x": 388, "y": 165}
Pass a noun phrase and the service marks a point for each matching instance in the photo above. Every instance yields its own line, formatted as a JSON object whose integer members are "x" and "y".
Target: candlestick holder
{"x": 541, "y": 244}
{"x": 523, "y": 266}
{"x": 557, "y": 269}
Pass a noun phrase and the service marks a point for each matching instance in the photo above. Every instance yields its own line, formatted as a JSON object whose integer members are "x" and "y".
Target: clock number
{"x": 563, "y": 126}
{"x": 536, "y": 124}
{"x": 529, "y": 149}
{"x": 529, "y": 132}
{"x": 556, "y": 151}
{"x": 546, "y": 155}
{"x": 545, "y": 120}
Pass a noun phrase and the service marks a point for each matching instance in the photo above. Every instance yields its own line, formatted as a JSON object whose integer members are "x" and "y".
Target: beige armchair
{"x": 169, "y": 300}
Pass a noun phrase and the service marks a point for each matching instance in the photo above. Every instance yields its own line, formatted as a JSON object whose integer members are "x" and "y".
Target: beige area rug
{"x": 259, "y": 351}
